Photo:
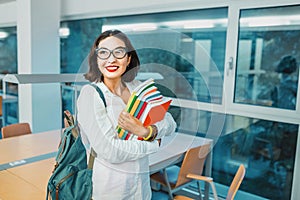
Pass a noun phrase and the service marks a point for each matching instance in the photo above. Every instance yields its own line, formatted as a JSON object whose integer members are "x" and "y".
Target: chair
{"x": 175, "y": 178}
{"x": 234, "y": 186}
{"x": 15, "y": 130}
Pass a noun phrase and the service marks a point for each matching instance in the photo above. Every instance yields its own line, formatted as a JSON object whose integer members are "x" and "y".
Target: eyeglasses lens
{"x": 104, "y": 53}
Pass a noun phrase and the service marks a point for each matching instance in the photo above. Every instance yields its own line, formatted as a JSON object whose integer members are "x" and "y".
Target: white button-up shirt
{"x": 121, "y": 169}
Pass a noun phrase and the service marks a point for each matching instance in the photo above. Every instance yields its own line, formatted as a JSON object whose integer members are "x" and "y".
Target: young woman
{"x": 121, "y": 168}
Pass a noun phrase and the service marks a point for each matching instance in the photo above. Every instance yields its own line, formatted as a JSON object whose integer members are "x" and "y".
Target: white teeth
{"x": 112, "y": 68}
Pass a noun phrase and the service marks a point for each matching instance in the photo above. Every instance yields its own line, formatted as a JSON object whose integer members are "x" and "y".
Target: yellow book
{"x": 134, "y": 107}
{"x": 121, "y": 133}
{"x": 131, "y": 101}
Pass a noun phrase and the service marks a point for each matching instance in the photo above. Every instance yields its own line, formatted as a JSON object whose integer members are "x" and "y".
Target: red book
{"x": 155, "y": 111}
{"x": 141, "y": 110}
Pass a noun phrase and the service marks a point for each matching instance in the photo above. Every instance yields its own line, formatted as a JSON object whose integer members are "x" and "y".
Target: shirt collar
{"x": 102, "y": 86}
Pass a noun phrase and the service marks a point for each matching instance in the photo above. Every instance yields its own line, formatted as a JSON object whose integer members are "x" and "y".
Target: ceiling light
{"x": 3, "y": 34}
{"x": 64, "y": 32}
{"x": 131, "y": 27}
{"x": 270, "y": 21}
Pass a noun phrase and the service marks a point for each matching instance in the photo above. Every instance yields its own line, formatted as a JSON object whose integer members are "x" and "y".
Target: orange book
{"x": 155, "y": 111}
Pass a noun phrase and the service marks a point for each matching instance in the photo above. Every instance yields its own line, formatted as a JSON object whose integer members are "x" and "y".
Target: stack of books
{"x": 147, "y": 104}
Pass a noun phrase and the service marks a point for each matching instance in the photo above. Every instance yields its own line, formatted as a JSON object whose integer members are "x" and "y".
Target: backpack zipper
{"x": 60, "y": 154}
{"x": 60, "y": 182}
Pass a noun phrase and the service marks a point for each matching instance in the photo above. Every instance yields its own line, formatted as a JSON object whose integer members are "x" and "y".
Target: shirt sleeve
{"x": 97, "y": 127}
{"x": 166, "y": 126}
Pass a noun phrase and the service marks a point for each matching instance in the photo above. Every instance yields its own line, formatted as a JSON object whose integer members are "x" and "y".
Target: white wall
{"x": 71, "y": 9}
{"x": 8, "y": 14}
{"x": 90, "y": 8}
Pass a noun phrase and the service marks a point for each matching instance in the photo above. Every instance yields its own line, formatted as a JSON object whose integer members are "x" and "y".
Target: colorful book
{"x": 135, "y": 106}
{"x": 147, "y": 104}
{"x": 140, "y": 112}
{"x": 155, "y": 111}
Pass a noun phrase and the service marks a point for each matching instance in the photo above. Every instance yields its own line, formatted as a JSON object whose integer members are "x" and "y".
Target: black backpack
{"x": 72, "y": 176}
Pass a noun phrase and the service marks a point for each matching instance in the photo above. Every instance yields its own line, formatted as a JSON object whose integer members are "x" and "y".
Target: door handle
{"x": 230, "y": 65}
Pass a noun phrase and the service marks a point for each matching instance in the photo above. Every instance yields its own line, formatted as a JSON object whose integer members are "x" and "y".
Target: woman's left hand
{"x": 132, "y": 124}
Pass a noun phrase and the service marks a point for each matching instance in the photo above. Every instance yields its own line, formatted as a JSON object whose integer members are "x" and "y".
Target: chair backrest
{"x": 236, "y": 182}
{"x": 193, "y": 162}
{"x": 15, "y": 130}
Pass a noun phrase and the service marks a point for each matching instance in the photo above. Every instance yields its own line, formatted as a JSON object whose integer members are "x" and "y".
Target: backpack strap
{"x": 100, "y": 93}
{"x": 93, "y": 154}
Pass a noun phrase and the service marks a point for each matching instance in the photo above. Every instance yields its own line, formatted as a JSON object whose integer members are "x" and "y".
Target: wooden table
{"x": 26, "y": 182}
{"x": 19, "y": 150}
{"x": 173, "y": 149}
{"x": 29, "y": 180}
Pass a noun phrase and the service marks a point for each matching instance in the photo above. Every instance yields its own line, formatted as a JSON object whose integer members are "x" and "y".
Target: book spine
{"x": 142, "y": 110}
{"x": 134, "y": 107}
{"x": 131, "y": 101}
{"x": 121, "y": 132}
{"x": 154, "y": 89}
{"x": 138, "y": 109}
{"x": 145, "y": 88}
{"x": 153, "y": 96}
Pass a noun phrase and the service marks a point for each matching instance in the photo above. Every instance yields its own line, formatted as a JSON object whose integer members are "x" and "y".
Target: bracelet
{"x": 150, "y": 133}
{"x": 154, "y": 133}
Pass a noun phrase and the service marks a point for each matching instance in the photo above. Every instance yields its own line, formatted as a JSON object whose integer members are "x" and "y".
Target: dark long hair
{"x": 95, "y": 75}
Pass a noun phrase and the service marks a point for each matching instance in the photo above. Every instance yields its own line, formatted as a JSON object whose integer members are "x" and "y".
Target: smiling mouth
{"x": 112, "y": 68}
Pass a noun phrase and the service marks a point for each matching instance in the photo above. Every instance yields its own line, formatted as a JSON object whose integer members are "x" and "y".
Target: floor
{"x": 161, "y": 195}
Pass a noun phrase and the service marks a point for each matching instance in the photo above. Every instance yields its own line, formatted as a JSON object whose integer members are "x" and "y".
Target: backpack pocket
{"x": 72, "y": 184}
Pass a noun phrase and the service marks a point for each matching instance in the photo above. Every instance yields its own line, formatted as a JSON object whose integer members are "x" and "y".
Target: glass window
{"x": 8, "y": 50}
{"x": 184, "y": 51}
{"x": 76, "y": 40}
{"x": 8, "y": 64}
{"x": 187, "y": 48}
{"x": 268, "y": 57}
{"x": 8, "y": 55}
{"x": 266, "y": 148}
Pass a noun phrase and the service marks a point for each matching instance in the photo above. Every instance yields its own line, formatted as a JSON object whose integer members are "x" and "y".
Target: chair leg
{"x": 199, "y": 190}
{"x": 214, "y": 190}
{"x": 168, "y": 184}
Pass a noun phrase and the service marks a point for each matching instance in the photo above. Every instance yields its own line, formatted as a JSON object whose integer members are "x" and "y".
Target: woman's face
{"x": 110, "y": 66}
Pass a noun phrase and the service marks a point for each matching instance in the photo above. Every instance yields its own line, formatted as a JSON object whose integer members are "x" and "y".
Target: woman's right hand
{"x": 132, "y": 124}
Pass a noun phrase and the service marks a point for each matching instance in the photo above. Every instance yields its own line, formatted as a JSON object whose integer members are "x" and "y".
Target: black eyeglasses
{"x": 104, "y": 53}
